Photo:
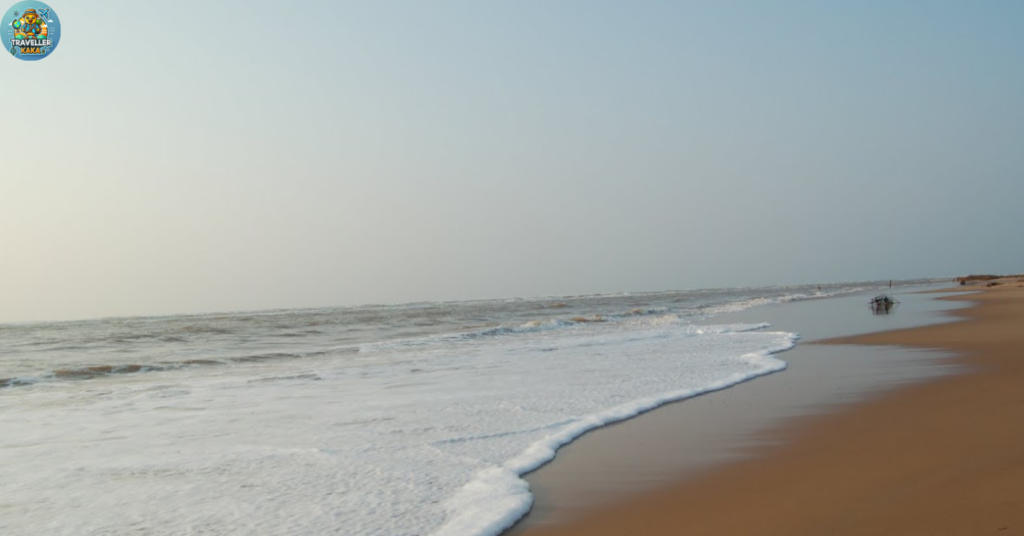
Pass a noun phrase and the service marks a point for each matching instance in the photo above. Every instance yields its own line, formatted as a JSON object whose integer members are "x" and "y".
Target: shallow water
{"x": 406, "y": 419}
{"x": 682, "y": 440}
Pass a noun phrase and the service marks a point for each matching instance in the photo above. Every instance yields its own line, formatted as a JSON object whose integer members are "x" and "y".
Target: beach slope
{"x": 943, "y": 457}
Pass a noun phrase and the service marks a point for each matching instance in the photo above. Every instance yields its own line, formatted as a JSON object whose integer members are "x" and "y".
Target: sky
{"x": 177, "y": 157}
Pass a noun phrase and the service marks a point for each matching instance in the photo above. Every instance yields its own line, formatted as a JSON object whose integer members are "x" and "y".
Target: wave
{"x": 497, "y": 497}
{"x": 272, "y": 356}
{"x": 758, "y": 301}
{"x": 89, "y": 372}
{"x": 637, "y": 317}
{"x": 17, "y": 382}
{"x": 102, "y": 370}
{"x": 81, "y": 373}
{"x": 301, "y": 377}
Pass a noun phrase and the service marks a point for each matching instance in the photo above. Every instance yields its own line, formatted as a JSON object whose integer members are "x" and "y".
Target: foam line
{"x": 498, "y": 496}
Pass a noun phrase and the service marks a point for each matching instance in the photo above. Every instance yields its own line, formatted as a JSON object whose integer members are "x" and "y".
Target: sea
{"x": 391, "y": 420}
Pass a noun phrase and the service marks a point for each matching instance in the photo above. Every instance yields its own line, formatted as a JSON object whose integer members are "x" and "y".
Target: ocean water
{"x": 415, "y": 419}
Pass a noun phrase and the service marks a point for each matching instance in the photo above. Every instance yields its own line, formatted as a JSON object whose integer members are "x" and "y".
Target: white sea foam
{"x": 497, "y": 497}
{"x": 407, "y": 439}
{"x": 742, "y": 305}
{"x": 394, "y": 420}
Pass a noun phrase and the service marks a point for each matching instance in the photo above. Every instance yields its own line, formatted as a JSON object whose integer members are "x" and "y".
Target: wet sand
{"x": 944, "y": 456}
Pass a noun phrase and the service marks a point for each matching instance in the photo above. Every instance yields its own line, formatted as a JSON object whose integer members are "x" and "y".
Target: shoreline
{"x": 830, "y": 471}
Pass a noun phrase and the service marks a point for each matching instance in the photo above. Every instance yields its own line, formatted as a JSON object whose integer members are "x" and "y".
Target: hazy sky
{"x": 199, "y": 156}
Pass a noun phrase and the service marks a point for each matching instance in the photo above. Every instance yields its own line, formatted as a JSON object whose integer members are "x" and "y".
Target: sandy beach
{"x": 940, "y": 457}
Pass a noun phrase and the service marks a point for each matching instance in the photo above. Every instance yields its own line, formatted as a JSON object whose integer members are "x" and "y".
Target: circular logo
{"x": 31, "y": 30}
